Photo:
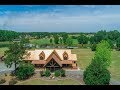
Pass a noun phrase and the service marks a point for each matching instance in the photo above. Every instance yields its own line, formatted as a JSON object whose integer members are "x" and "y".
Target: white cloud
{"x": 56, "y": 22}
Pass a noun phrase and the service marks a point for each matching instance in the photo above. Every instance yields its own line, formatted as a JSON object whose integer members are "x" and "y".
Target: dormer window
{"x": 42, "y": 56}
{"x": 65, "y": 56}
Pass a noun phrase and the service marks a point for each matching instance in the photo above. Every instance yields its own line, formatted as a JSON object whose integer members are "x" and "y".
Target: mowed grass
{"x": 40, "y": 41}
{"x": 75, "y": 41}
{"x": 2, "y": 50}
{"x": 115, "y": 65}
{"x": 85, "y": 56}
{"x": 42, "y": 82}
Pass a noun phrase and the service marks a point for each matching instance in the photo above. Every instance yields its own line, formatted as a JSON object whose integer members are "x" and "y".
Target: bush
{"x": 2, "y": 81}
{"x": 47, "y": 73}
{"x": 57, "y": 73}
{"x": 25, "y": 70}
{"x": 62, "y": 73}
{"x": 95, "y": 76}
{"x": 12, "y": 82}
{"x": 93, "y": 47}
{"x": 42, "y": 73}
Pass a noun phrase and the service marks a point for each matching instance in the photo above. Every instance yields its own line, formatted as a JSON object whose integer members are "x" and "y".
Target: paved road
{"x": 114, "y": 82}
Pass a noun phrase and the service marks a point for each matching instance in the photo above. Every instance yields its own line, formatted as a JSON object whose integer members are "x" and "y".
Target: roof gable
{"x": 55, "y": 57}
{"x": 59, "y": 52}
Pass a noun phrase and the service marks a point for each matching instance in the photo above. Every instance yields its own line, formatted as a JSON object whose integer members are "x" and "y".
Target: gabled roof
{"x": 35, "y": 54}
{"x": 55, "y": 57}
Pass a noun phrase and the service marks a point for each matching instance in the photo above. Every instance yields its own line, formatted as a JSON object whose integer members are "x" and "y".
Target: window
{"x": 41, "y": 56}
{"x": 65, "y": 56}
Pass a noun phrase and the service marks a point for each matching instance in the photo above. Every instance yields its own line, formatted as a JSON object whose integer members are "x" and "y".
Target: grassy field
{"x": 41, "y": 82}
{"x": 40, "y": 41}
{"x": 85, "y": 56}
{"x": 75, "y": 41}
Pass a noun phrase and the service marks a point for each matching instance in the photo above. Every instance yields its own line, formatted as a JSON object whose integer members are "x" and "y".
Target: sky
{"x": 60, "y": 18}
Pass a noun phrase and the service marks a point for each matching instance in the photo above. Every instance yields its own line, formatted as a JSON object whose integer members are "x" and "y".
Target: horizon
{"x": 60, "y": 18}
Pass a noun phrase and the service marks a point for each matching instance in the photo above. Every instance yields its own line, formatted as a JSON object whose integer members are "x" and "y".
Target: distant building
{"x": 52, "y": 59}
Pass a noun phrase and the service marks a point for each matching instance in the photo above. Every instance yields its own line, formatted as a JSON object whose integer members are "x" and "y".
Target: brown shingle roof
{"x": 38, "y": 62}
{"x": 34, "y": 54}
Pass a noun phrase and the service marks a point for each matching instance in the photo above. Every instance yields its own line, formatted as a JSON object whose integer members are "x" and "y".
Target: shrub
{"x": 62, "y": 73}
{"x": 12, "y": 82}
{"x": 93, "y": 47}
{"x": 2, "y": 81}
{"x": 47, "y": 73}
{"x": 42, "y": 73}
{"x": 25, "y": 70}
{"x": 57, "y": 73}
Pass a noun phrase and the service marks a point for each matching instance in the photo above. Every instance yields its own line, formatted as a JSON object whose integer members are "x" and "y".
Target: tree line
{"x": 8, "y": 35}
{"x": 113, "y": 37}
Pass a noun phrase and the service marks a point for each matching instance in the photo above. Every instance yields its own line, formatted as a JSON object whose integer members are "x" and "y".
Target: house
{"x": 52, "y": 59}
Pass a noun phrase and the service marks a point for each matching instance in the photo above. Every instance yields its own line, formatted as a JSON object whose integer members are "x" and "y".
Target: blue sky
{"x": 60, "y": 18}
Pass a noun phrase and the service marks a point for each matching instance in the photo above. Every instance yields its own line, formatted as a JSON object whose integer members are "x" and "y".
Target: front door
{"x": 52, "y": 65}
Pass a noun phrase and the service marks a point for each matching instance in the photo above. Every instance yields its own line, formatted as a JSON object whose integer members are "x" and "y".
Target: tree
{"x": 25, "y": 70}
{"x": 65, "y": 36}
{"x": 93, "y": 47}
{"x": 69, "y": 41}
{"x": 56, "y": 39}
{"x": 96, "y": 73}
{"x": 99, "y": 36}
{"x": 82, "y": 39}
{"x": 118, "y": 43}
{"x": 61, "y": 40}
{"x": 51, "y": 41}
{"x": 6, "y": 35}
{"x": 14, "y": 54}
{"x": 110, "y": 43}
{"x": 113, "y": 35}
{"x": 103, "y": 53}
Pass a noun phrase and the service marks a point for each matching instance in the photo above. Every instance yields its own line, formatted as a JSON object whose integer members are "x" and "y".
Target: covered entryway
{"x": 52, "y": 65}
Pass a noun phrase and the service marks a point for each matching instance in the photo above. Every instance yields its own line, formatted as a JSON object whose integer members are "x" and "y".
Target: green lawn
{"x": 40, "y": 41}
{"x": 42, "y": 82}
{"x": 85, "y": 56}
{"x": 2, "y": 50}
{"x": 75, "y": 41}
